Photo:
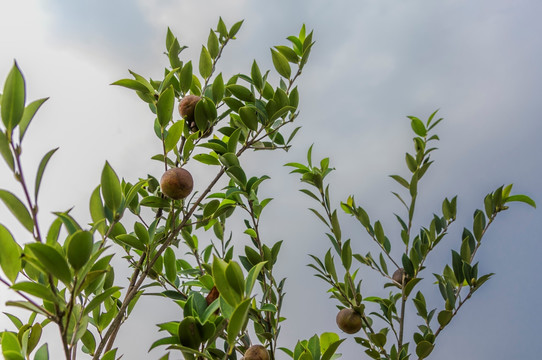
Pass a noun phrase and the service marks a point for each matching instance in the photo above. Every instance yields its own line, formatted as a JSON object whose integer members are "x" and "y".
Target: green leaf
{"x": 41, "y": 169}
{"x": 28, "y": 114}
{"x": 205, "y": 113}
{"x": 164, "y": 106}
{"x": 238, "y": 175}
{"x": 236, "y": 280}
{"x": 252, "y": 276}
{"x": 42, "y": 353}
{"x": 52, "y": 261}
{"x": 240, "y": 92}
{"x": 222, "y": 284}
{"x": 444, "y": 317}
{"x": 328, "y": 354}
{"x": 238, "y": 320}
{"x": 18, "y": 209}
{"x": 218, "y": 89}
{"x": 5, "y": 151}
{"x": 205, "y": 63}
{"x": 173, "y": 135}
{"x": 154, "y": 201}
{"x": 133, "y": 85}
{"x": 521, "y": 198}
{"x": 10, "y": 343}
{"x": 170, "y": 264}
{"x": 424, "y": 348}
{"x": 13, "y": 99}
{"x": 131, "y": 241}
{"x": 281, "y": 64}
{"x": 212, "y": 44}
{"x": 98, "y": 299}
{"x": 256, "y": 76}
{"x": 249, "y": 117}
{"x": 235, "y": 28}
{"x": 418, "y": 126}
{"x": 111, "y": 191}
{"x": 35, "y": 289}
{"x": 10, "y": 254}
{"x": 478, "y": 225}
{"x": 346, "y": 255}
{"x": 186, "y": 77}
{"x": 206, "y": 159}
{"x": 79, "y": 248}
{"x": 110, "y": 355}
{"x": 288, "y": 53}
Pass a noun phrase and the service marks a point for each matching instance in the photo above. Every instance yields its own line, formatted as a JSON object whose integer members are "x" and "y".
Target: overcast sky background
{"x": 374, "y": 62}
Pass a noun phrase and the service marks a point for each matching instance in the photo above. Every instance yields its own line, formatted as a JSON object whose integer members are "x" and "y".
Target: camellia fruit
{"x": 349, "y": 321}
{"x": 187, "y": 106}
{"x": 256, "y": 352}
{"x": 398, "y": 276}
{"x": 176, "y": 183}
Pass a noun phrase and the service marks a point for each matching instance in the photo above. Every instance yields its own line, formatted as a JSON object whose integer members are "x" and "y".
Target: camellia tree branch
{"x": 173, "y": 234}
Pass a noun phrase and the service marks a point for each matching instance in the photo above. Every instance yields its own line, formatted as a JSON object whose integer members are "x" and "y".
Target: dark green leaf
{"x": 170, "y": 265}
{"x": 218, "y": 89}
{"x": 444, "y": 317}
{"x": 423, "y": 349}
{"x": 249, "y": 117}
{"x": 256, "y": 76}
{"x": 98, "y": 299}
{"x": 186, "y": 77}
{"x": 206, "y": 159}
{"x": 240, "y": 92}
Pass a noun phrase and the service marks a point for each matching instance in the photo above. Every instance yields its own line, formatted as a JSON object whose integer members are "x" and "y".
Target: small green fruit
{"x": 176, "y": 183}
{"x": 256, "y": 352}
{"x": 349, "y": 321}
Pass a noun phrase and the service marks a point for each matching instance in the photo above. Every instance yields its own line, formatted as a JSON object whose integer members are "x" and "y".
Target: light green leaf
{"x": 132, "y": 84}
{"x": 444, "y": 317}
{"x": 13, "y": 99}
{"x": 212, "y": 44}
{"x": 252, "y": 276}
{"x": 521, "y": 198}
{"x": 18, "y": 209}
{"x": 206, "y": 159}
{"x": 222, "y": 284}
{"x": 35, "y": 289}
{"x": 79, "y": 249}
{"x": 10, "y": 254}
{"x": 97, "y": 212}
{"x": 41, "y": 169}
{"x": 186, "y": 77}
{"x": 424, "y": 348}
{"x": 164, "y": 106}
{"x": 236, "y": 280}
{"x": 52, "y": 261}
{"x": 281, "y": 64}
{"x": 205, "y": 63}
{"x": 218, "y": 88}
{"x": 98, "y": 299}
{"x": 237, "y": 321}
{"x": 42, "y": 353}
{"x": 111, "y": 191}
{"x": 10, "y": 343}
{"x": 170, "y": 264}
{"x": 235, "y": 28}
{"x": 418, "y": 126}
{"x": 5, "y": 151}
{"x": 28, "y": 114}
{"x": 173, "y": 135}
{"x": 248, "y": 117}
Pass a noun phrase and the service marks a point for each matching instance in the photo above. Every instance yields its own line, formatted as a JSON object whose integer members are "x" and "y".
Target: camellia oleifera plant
{"x": 171, "y": 230}
{"x": 379, "y": 323}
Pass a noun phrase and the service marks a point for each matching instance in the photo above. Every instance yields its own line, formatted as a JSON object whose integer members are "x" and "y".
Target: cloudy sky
{"x": 374, "y": 62}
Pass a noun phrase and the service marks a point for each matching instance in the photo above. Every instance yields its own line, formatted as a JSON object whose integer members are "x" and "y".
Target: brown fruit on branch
{"x": 176, "y": 183}
{"x": 349, "y": 321}
{"x": 398, "y": 276}
{"x": 187, "y": 107}
{"x": 256, "y": 352}
{"x": 212, "y": 296}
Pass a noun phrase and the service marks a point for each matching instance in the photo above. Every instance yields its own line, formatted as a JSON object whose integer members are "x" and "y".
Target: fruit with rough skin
{"x": 349, "y": 321}
{"x": 398, "y": 276}
{"x": 176, "y": 183}
{"x": 256, "y": 352}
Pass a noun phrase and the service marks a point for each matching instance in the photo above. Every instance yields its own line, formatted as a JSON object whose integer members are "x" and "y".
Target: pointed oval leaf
{"x": 41, "y": 169}
{"x": 205, "y": 63}
{"x": 79, "y": 249}
{"x": 111, "y": 191}
{"x": 281, "y": 64}
{"x": 186, "y": 77}
{"x": 13, "y": 98}
{"x": 249, "y": 117}
{"x": 164, "y": 106}
{"x": 10, "y": 254}
{"x": 52, "y": 261}
{"x": 238, "y": 320}
{"x": 18, "y": 209}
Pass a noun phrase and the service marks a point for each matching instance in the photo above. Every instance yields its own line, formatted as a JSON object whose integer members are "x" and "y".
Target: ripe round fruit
{"x": 176, "y": 183}
{"x": 187, "y": 107}
{"x": 349, "y": 321}
{"x": 256, "y": 352}
{"x": 398, "y": 276}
